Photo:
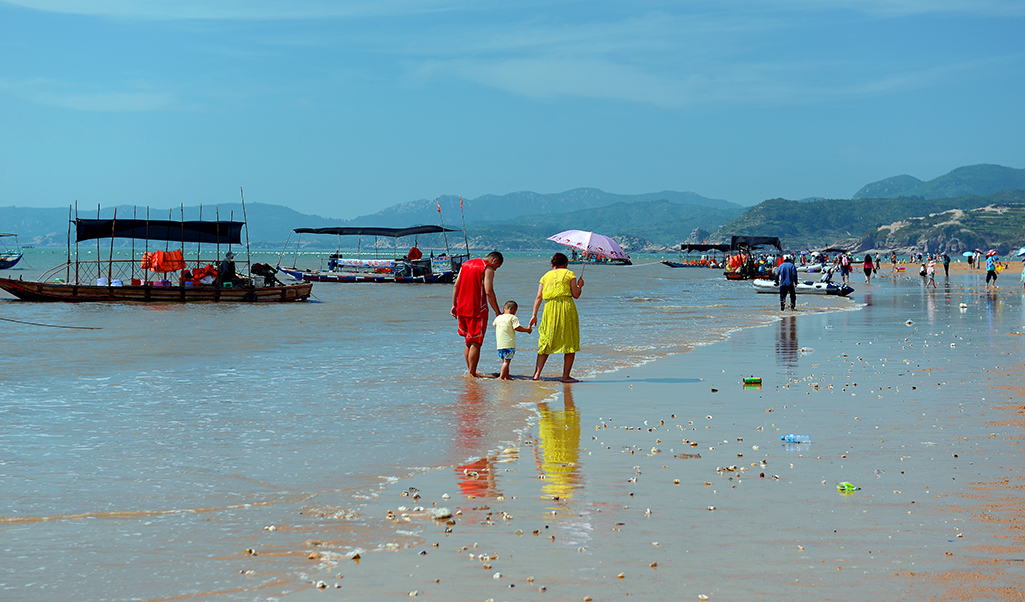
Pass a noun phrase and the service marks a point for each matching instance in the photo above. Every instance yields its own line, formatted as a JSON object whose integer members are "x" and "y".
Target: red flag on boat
{"x": 460, "y": 202}
{"x": 439, "y": 206}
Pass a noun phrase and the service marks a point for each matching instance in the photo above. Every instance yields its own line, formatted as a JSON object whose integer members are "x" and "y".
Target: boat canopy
{"x": 755, "y": 241}
{"x": 374, "y": 231}
{"x": 6, "y": 234}
{"x": 704, "y": 248}
{"x": 833, "y": 250}
{"x": 215, "y": 232}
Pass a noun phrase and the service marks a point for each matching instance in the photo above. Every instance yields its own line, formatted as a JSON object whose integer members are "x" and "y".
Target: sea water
{"x": 144, "y": 449}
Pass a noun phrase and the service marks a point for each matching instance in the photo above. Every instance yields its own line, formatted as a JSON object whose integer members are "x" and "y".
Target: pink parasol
{"x": 590, "y": 243}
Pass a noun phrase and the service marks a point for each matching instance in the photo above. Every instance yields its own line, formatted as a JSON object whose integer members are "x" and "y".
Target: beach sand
{"x": 669, "y": 480}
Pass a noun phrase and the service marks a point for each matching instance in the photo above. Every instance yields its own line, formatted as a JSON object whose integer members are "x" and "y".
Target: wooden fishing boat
{"x": 153, "y": 292}
{"x": 150, "y": 280}
{"x": 411, "y": 268}
{"x": 704, "y": 260}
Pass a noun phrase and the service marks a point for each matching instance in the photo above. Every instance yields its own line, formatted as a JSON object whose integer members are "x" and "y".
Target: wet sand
{"x": 669, "y": 480}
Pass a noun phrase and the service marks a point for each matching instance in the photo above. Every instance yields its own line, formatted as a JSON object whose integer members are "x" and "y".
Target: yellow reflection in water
{"x": 558, "y": 451}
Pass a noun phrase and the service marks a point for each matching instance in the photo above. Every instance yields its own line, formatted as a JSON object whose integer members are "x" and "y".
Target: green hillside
{"x": 844, "y": 222}
{"x": 972, "y": 180}
{"x": 998, "y": 226}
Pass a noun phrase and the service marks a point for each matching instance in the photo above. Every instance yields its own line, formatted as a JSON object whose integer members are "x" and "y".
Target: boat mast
{"x": 135, "y": 216}
{"x": 245, "y": 220}
{"x": 67, "y": 274}
{"x": 76, "y": 243}
{"x": 463, "y": 215}
{"x": 145, "y": 274}
{"x": 97, "y": 244}
{"x": 442, "y": 218}
{"x": 199, "y": 244}
{"x": 110, "y": 260}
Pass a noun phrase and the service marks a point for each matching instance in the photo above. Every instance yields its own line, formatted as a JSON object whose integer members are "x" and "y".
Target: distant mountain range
{"x": 974, "y": 180}
{"x": 655, "y": 222}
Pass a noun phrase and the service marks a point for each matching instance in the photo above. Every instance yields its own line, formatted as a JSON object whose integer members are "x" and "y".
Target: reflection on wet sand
{"x": 786, "y": 343}
{"x": 558, "y": 450}
{"x": 477, "y": 478}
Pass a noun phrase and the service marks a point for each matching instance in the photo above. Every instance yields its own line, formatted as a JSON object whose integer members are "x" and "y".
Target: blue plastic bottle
{"x": 791, "y": 438}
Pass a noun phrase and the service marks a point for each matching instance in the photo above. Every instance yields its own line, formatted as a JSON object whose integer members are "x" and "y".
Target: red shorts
{"x": 473, "y": 329}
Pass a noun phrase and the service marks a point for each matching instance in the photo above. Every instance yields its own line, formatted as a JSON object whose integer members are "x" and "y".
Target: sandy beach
{"x": 670, "y": 481}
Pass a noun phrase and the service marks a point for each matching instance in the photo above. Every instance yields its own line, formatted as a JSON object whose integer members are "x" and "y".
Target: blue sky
{"x": 343, "y": 108}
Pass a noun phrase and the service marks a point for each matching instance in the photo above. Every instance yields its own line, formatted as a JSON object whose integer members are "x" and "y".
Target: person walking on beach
{"x": 506, "y": 326}
{"x": 786, "y": 280}
{"x": 991, "y": 269}
{"x": 946, "y": 265}
{"x": 473, "y": 291}
{"x": 867, "y": 266}
{"x": 845, "y": 268}
{"x": 559, "y": 331}
{"x": 1023, "y": 273}
{"x": 930, "y": 270}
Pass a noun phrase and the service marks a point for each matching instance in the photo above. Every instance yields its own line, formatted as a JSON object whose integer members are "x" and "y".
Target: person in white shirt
{"x": 506, "y": 326}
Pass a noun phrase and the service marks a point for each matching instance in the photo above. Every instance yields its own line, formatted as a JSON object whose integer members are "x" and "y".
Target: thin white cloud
{"x": 314, "y": 9}
{"x": 56, "y": 94}
{"x": 240, "y": 10}
{"x": 905, "y": 8}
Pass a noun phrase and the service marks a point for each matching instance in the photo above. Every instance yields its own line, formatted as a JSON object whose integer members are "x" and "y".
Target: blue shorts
{"x": 506, "y": 354}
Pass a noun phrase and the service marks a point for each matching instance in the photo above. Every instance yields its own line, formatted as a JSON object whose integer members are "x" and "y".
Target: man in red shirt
{"x": 472, "y": 292}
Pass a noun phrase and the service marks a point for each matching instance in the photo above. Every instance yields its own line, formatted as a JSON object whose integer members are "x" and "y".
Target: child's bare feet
{"x": 569, "y": 379}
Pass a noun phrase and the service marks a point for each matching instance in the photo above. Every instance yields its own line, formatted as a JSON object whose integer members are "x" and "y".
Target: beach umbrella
{"x": 590, "y": 243}
{"x": 991, "y": 253}
{"x": 1020, "y": 252}
{"x": 970, "y": 254}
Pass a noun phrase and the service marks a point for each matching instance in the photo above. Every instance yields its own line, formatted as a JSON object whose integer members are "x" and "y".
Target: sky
{"x": 342, "y": 108}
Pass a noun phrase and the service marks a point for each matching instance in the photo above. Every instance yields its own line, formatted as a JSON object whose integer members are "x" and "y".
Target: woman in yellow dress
{"x": 560, "y": 325}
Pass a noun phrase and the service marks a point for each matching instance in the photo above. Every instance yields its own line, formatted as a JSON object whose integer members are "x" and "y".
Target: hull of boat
{"x": 9, "y": 261}
{"x": 677, "y": 264}
{"x": 79, "y": 293}
{"x": 805, "y": 288}
{"x": 443, "y": 278}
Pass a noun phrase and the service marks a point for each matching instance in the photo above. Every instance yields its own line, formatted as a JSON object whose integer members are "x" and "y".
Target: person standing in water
{"x": 472, "y": 292}
{"x": 559, "y": 331}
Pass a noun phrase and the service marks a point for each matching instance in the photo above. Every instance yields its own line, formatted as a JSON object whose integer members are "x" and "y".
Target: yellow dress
{"x": 559, "y": 330}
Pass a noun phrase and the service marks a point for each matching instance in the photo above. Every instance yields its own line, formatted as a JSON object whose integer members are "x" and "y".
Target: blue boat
{"x": 9, "y": 257}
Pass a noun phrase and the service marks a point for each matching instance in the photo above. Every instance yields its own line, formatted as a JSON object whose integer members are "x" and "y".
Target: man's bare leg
{"x": 472, "y": 358}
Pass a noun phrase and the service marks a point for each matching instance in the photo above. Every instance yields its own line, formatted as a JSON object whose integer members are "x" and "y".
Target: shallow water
{"x": 141, "y": 457}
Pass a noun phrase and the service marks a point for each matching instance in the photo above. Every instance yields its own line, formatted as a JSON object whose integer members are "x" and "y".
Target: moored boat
{"x": 412, "y": 268}
{"x": 741, "y": 264}
{"x": 149, "y": 280}
{"x": 9, "y": 257}
{"x": 705, "y": 260}
{"x": 807, "y": 287}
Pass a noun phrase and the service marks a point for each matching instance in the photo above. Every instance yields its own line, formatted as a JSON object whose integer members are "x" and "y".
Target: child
{"x": 931, "y": 271}
{"x": 506, "y": 326}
